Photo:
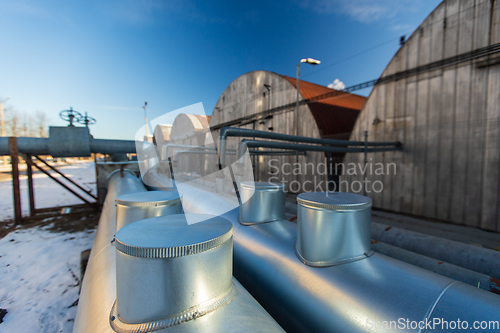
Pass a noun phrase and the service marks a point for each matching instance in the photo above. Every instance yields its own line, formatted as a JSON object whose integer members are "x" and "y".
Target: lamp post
{"x": 145, "y": 118}
{"x": 313, "y": 62}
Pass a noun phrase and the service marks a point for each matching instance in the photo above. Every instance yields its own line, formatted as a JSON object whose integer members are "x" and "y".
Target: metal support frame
{"x": 14, "y": 160}
{"x": 68, "y": 179}
{"x": 60, "y": 183}
{"x": 31, "y": 191}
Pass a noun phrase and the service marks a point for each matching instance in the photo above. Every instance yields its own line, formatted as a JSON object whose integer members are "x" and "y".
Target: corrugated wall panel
{"x": 448, "y": 119}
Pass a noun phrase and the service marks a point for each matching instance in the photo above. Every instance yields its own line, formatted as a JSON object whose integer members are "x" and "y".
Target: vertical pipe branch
{"x": 31, "y": 190}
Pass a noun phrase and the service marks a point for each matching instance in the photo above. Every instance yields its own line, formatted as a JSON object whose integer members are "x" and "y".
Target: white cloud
{"x": 337, "y": 85}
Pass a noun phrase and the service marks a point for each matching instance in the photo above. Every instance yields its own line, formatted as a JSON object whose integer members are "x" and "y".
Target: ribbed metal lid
{"x": 262, "y": 186}
{"x": 149, "y": 199}
{"x": 334, "y": 200}
{"x": 171, "y": 236}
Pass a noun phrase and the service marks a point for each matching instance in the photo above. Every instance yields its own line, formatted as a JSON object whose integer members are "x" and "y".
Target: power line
{"x": 351, "y": 56}
{"x": 464, "y": 57}
{"x": 444, "y": 21}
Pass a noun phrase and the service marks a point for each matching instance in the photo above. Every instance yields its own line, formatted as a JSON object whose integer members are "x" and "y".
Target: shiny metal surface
{"x": 343, "y": 298}
{"x": 154, "y": 179}
{"x": 133, "y": 207}
{"x": 99, "y": 284}
{"x": 242, "y": 314}
{"x": 332, "y": 228}
{"x": 164, "y": 266}
{"x": 262, "y": 202}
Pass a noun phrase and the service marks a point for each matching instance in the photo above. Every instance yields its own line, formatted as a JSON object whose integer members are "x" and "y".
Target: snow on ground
{"x": 47, "y": 192}
{"x": 40, "y": 279}
{"x": 40, "y": 267}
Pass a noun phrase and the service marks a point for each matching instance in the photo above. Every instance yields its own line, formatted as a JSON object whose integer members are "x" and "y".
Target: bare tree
{"x": 24, "y": 124}
{"x": 12, "y": 122}
{"x": 40, "y": 124}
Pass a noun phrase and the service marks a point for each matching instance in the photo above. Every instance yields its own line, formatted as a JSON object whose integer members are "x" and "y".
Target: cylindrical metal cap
{"x": 142, "y": 205}
{"x": 332, "y": 228}
{"x": 169, "y": 271}
{"x": 178, "y": 238}
{"x": 261, "y": 202}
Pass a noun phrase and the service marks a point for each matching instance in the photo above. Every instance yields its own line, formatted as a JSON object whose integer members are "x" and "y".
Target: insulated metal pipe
{"x": 458, "y": 273}
{"x": 99, "y": 289}
{"x": 112, "y": 146}
{"x": 226, "y": 132}
{"x": 40, "y": 146}
{"x": 352, "y": 297}
{"x": 252, "y": 152}
{"x": 99, "y": 285}
{"x": 295, "y": 146}
{"x": 472, "y": 257}
{"x": 32, "y": 146}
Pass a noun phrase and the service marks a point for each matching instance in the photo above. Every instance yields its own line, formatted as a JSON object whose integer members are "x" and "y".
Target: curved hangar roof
{"x": 259, "y": 91}
{"x": 187, "y": 127}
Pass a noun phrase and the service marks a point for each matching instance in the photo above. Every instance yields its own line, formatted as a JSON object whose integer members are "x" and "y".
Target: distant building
{"x": 243, "y": 101}
{"x": 441, "y": 98}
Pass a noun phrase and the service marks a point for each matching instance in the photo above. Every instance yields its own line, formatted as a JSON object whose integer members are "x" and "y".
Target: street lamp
{"x": 313, "y": 62}
{"x": 145, "y": 118}
{"x": 310, "y": 61}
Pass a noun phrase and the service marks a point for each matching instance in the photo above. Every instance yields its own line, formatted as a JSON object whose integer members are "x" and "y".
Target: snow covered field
{"x": 40, "y": 279}
{"x": 40, "y": 275}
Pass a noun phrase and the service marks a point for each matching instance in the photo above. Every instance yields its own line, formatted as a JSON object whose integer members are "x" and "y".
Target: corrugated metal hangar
{"x": 440, "y": 96}
{"x": 265, "y": 101}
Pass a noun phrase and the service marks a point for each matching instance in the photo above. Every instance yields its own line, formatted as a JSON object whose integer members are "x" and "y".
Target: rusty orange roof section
{"x": 335, "y": 116}
{"x": 346, "y": 100}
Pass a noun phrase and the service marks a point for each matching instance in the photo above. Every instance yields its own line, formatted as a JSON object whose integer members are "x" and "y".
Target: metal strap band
{"x": 240, "y": 221}
{"x": 153, "y": 203}
{"x": 330, "y": 263}
{"x": 307, "y": 203}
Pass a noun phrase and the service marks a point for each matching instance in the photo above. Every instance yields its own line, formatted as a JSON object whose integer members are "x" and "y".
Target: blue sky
{"x": 108, "y": 57}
